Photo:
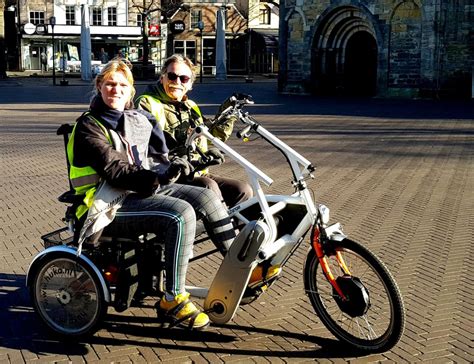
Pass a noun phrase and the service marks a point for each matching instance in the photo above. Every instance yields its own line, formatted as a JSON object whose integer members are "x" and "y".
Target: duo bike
{"x": 351, "y": 290}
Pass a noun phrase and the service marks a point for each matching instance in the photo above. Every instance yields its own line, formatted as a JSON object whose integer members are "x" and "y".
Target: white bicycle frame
{"x": 270, "y": 205}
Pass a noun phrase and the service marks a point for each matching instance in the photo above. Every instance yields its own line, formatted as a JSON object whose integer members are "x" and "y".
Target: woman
{"x": 135, "y": 163}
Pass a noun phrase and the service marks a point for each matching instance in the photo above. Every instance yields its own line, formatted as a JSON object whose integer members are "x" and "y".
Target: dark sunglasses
{"x": 173, "y": 77}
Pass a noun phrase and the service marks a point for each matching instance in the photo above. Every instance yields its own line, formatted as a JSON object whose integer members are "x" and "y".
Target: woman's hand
{"x": 178, "y": 166}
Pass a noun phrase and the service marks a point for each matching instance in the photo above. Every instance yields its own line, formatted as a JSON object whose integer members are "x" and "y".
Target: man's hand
{"x": 215, "y": 157}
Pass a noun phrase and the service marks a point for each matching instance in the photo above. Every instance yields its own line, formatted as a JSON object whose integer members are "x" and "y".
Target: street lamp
{"x": 52, "y": 22}
{"x": 200, "y": 26}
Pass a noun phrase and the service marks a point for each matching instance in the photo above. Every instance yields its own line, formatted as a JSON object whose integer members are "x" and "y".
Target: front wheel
{"x": 372, "y": 316}
{"x": 67, "y": 295}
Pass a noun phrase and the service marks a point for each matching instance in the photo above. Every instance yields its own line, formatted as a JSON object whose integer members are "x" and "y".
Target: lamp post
{"x": 200, "y": 26}
{"x": 52, "y": 22}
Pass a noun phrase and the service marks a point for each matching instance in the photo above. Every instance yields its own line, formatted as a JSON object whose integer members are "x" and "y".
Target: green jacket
{"x": 175, "y": 119}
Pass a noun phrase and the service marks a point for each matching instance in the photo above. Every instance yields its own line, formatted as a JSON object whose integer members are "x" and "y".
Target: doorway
{"x": 360, "y": 65}
{"x": 35, "y": 58}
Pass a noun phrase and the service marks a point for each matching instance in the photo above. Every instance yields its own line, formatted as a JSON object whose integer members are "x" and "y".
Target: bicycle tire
{"x": 383, "y": 322}
{"x": 67, "y": 295}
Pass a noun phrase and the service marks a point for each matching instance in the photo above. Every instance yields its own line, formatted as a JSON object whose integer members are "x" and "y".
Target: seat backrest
{"x": 65, "y": 130}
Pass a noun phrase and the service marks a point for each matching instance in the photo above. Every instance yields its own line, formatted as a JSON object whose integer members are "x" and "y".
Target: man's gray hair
{"x": 179, "y": 58}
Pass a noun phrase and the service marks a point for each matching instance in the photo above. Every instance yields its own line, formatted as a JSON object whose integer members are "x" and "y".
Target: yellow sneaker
{"x": 256, "y": 278}
{"x": 182, "y": 312}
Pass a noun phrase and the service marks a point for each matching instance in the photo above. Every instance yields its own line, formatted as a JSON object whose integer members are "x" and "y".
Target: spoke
{"x": 371, "y": 334}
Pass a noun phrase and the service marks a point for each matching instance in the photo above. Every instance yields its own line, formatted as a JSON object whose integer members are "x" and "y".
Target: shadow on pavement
{"x": 267, "y": 101}
{"x": 21, "y": 330}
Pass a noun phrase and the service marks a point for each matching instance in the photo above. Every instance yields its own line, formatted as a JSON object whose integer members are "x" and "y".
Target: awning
{"x": 267, "y": 37}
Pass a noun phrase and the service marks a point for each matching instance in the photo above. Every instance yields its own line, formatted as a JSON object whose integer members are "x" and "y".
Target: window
{"x": 70, "y": 15}
{"x": 139, "y": 20}
{"x": 37, "y": 17}
{"x": 196, "y": 17}
{"x": 186, "y": 48}
{"x": 264, "y": 15}
{"x": 112, "y": 16}
{"x": 209, "y": 52}
{"x": 96, "y": 16}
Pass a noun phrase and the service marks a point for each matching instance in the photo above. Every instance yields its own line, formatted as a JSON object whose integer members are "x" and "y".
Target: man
{"x": 168, "y": 102}
{"x": 103, "y": 56}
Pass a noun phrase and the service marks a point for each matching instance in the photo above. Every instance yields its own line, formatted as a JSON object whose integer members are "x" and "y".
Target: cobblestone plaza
{"x": 397, "y": 174}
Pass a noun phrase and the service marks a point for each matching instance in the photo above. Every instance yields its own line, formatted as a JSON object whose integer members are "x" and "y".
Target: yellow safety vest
{"x": 84, "y": 180}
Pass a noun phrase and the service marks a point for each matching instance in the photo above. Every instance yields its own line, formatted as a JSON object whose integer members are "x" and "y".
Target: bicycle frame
{"x": 277, "y": 248}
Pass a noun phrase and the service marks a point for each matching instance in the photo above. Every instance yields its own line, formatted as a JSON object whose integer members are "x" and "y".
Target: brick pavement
{"x": 400, "y": 181}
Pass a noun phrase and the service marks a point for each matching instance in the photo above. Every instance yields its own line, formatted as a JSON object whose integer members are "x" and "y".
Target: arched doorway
{"x": 345, "y": 53}
{"x": 360, "y": 65}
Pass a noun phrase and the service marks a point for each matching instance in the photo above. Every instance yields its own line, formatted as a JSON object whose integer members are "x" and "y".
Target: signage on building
{"x": 29, "y": 28}
{"x": 41, "y": 29}
{"x": 154, "y": 30}
{"x": 177, "y": 27}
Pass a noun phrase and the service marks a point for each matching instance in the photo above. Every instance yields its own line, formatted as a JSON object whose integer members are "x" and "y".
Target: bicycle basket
{"x": 58, "y": 237}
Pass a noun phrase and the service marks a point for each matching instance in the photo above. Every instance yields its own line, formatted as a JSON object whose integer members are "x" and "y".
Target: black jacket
{"x": 92, "y": 148}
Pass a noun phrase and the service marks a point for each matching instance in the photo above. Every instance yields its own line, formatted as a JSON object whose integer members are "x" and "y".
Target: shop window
{"x": 112, "y": 16}
{"x": 70, "y": 15}
{"x": 264, "y": 15}
{"x": 186, "y": 48}
{"x": 96, "y": 16}
{"x": 37, "y": 17}
{"x": 196, "y": 17}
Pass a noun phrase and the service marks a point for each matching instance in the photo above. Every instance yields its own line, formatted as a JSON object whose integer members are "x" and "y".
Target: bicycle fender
{"x": 334, "y": 232}
{"x": 231, "y": 279}
{"x": 73, "y": 252}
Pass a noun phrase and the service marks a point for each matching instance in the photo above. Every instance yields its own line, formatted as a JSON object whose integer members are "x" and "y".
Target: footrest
{"x": 230, "y": 281}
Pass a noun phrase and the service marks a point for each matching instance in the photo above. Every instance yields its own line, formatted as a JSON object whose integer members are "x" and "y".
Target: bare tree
{"x": 146, "y": 8}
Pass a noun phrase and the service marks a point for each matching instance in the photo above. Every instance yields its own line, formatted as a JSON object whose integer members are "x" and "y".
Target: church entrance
{"x": 344, "y": 54}
{"x": 360, "y": 65}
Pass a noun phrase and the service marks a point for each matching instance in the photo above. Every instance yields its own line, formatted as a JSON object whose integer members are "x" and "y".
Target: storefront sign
{"x": 177, "y": 27}
{"x": 41, "y": 29}
{"x": 29, "y": 28}
{"x": 154, "y": 30}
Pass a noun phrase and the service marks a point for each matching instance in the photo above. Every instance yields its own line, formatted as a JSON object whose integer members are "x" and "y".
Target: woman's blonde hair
{"x": 178, "y": 58}
{"x": 114, "y": 66}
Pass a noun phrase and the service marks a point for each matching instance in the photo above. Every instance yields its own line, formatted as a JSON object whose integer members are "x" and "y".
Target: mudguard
{"x": 68, "y": 250}
{"x": 229, "y": 283}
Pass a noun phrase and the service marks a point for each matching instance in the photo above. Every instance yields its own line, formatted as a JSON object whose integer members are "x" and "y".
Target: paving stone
{"x": 402, "y": 186}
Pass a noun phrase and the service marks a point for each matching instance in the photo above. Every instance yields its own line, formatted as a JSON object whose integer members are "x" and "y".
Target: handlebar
{"x": 244, "y": 133}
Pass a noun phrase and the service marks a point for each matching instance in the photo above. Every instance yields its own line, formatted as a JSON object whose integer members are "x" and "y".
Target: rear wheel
{"x": 67, "y": 295}
{"x": 373, "y": 317}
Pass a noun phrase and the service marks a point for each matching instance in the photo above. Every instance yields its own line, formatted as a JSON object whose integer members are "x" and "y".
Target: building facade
{"x": 377, "y": 47}
{"x": 197, "y": 40}
{"x": 115, "y": 27}
{"x": 123, "y": 27}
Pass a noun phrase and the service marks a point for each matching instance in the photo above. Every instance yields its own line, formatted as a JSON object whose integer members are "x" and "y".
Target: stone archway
{"x": 345, "y": 53}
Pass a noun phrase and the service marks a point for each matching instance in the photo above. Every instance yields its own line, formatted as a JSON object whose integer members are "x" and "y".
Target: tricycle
{"x": 350, "y": 288}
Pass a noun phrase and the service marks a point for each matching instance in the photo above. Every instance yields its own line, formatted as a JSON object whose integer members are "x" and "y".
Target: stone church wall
{"x": 379, "y": 48}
